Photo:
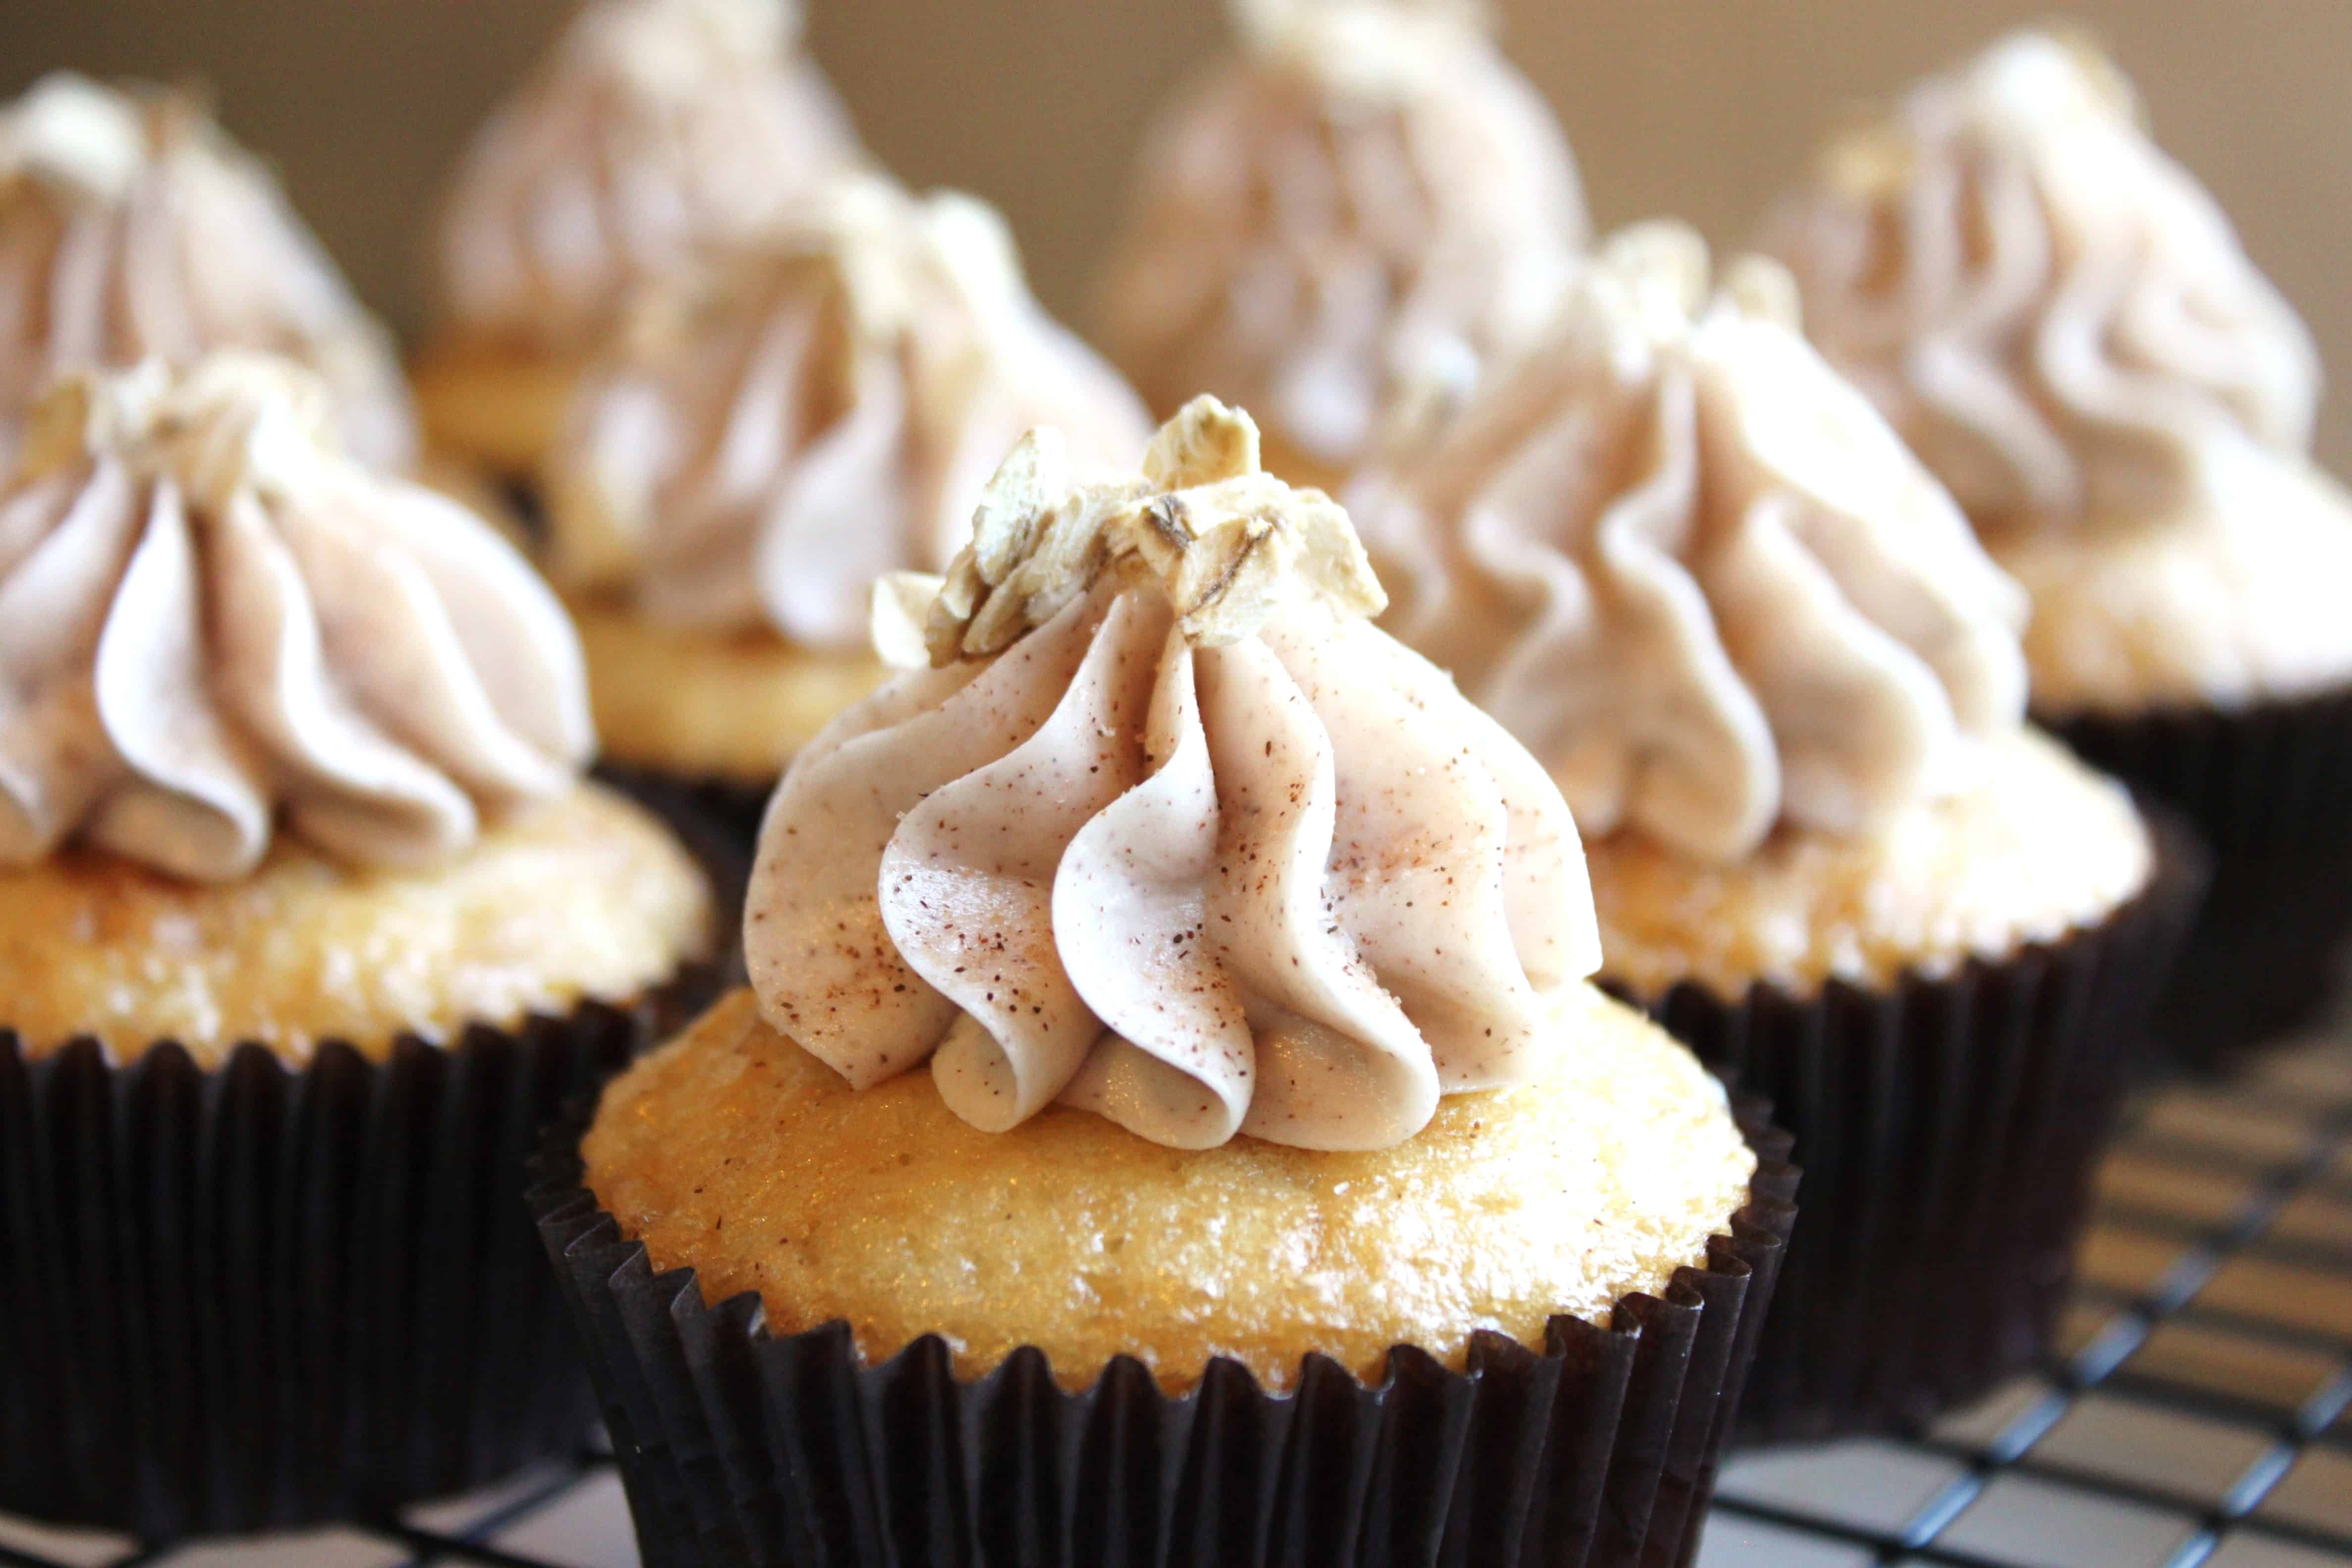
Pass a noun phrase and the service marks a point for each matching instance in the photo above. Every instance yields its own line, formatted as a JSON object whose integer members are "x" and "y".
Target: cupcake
{"x": 654, "y": 133}
{"x": 1168, "y": 1122}
{"x": 756, "y": 446}
{"x": 1781, "y": 686}
{"x": 131, "y": 227}
{"x": 309, "y": 923}
{"x": 1341, "y": 225}
{"x": 2061, "y": 324}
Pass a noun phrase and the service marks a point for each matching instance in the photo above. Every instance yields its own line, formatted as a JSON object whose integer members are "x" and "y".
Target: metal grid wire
{"x": 2198, "y": 1411}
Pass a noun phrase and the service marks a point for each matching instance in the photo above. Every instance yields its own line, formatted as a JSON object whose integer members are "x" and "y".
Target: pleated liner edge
{"x": 262, "y": 1296}
{"x": 2270, "y": 788}
{"x": 740, "y": 1447}
{"x": 697, "y": 806}
{"x": 1947, "y": 1129}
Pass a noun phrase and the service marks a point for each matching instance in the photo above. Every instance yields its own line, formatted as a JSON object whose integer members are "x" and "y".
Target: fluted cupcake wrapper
{"x": 720, "y": 818}
{"x": 263, "y": 1295}
{"x": 2270, "y": 788}
{"x": 1947, "y": 1129}
{"x": 739, "y": 1446}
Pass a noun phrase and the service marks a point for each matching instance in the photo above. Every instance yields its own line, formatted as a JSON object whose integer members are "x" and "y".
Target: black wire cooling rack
{"x": 2199, "y": 1410}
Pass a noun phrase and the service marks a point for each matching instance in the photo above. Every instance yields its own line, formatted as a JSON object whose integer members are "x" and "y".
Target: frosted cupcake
{"x": 655, "y": 134}
{"x": 1781, "y": 686}
{"x": 738, "y": 467}
{"x": 307, "y": 922}
{"x": 131, "y": 227}
{"x": 2062, "y": 323}
{"x": 1341, "y": 225}
{"x": 1168, "y": 1064}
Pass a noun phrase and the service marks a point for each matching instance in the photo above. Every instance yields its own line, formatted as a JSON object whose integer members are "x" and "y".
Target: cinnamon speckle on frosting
{"x": 217, "y": 624}
{"x": 134, "y": 228}
{"x": 2063, "y": 325}
{"x": 770, "y": 435}
{"x": 1150, "y": 830}
{"x": 1695, "y": 571}
{"x": 1342, "y": 223}
{"x": 662, "y": 131}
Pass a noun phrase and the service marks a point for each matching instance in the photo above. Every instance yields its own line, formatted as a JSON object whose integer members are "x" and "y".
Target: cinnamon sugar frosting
{"x": 1339, "y": 226}
{"x": 2062, "y": 324}
{"x": 654, "y": 133}
{"x": 1166, "y": 829}
{"x": 759, "y": 446}
{"x": 211, "y": 619}
{"x": 1694, "y": 571}
{"x": 131, "y": 227}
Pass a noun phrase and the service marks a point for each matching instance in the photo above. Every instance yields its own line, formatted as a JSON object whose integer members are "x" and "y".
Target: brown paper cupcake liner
{"x": 720, "y": 818}
{"x": 266, "y": 1295}
{"x": 739, "y": 1446}
{"x": 2270, "y": 788}
{"x": 1947, "y": 1129}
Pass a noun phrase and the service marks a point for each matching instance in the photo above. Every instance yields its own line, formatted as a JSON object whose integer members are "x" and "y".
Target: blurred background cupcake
{"x": 1340, "y": 225}
{"x": 131, "y": 226}
{"x": 2062, "y": 323}
{"x": 1268, "y": 1113}
{"x": 654, "y": 135}
{"x": 308, "y": 923}
{"x": 757, "y": 444}
{"x": 1781, "y": 688}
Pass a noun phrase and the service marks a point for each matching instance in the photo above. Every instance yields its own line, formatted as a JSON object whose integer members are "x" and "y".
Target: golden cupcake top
{"x": 654, "y": 132}
{"x": 1694, "y": 571}
{"x": 131, "y": 227}
{"x": 1342, "y": 223}
{"x": 732, "y": 1152}
{"x": 2054, "y": 314}
{"x": 214, "y": 624}
{"x": 1165, "y": 830}
{"x": 761, "y": 443}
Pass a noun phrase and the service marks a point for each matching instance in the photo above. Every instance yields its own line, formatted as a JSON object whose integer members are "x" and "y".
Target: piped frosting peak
{"x": 656, "y": 134}
{"x": 130, "y": 227}
{"x": 1342, "y": 224}
{"x": 1694, "y": 571}
{"x": 1271, "y": 875}
{"x": 2055, "y": 315}
{"x": 211, "y": 617}
{"x": 760, "y": 445}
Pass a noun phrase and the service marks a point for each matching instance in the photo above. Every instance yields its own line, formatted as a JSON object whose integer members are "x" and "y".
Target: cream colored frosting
{"x": 130, "y": 227}
{"x": 2062, "y": 324}
{"x": 656, "y": 133}
{"x": 209, "y": 614}
{"x": 1694, "y": 571}
{"x": 1174, "y": 833}
{"x": 1339, "y": 226}
{"x": 757, "y": 451}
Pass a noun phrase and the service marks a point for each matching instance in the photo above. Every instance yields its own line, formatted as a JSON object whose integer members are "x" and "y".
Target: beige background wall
{"x": 1698, "y": 107}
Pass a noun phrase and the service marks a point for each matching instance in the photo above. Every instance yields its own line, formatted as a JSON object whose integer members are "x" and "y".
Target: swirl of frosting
{"x": 1693, "y": 569}
{"x": 758, "y": 448}
{"x": 1171, "y": 831}
{"x": 132, "y": 229}
{"x": 2055, "y": 315}
{"x": 656, "y": 133}
{"x": 208, "y": 612}
{"x": 1339, "y": 227}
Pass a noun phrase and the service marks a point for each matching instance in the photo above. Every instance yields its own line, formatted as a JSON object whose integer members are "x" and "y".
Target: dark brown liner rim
{"x": 587, "y": 1241}
{"x": 2151, "y": 923}
{"x": 2334, "y": 697}
{"x": 122, "y": 1079}
{"x": 663, "y": 1006}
